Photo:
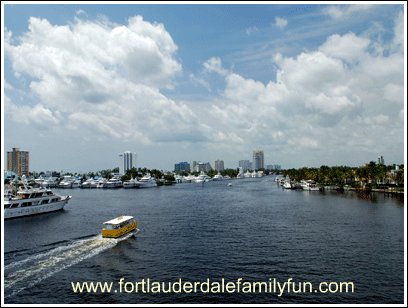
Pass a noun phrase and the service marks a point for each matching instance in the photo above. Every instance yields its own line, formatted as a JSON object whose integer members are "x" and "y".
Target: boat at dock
{"x": 132, "y": 183}
{"x": 29, "y": 201}
{"x": 119, "y": 226}
{"x": 113, "y": 183}
{"x": 147, "y": 181}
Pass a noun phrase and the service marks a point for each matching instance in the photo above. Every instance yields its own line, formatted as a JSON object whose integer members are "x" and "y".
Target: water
{"x": 253, "y": 230}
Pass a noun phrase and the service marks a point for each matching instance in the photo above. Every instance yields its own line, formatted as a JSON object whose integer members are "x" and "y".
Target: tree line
{"x": 369, "y": 174}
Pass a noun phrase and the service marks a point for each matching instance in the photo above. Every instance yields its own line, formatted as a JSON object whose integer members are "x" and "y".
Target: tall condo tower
{"x": 127, "y": 161}
{"x": 258, "y": 159}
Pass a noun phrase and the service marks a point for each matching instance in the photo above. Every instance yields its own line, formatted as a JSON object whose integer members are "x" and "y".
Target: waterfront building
{"x": 277, "y": 167}
{"x": 258, "y": 159}
{"x": 18, "y": 162}
{"x": 245, "y": 165}
{"x": 182, "y": 166}
{"x": 127, "y": 161}
{"x": 219, "y": 165}
{"x": 200, "y": 166}
{"x": 194, "y": 166}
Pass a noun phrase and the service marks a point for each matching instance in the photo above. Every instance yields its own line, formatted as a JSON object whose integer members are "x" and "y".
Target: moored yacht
{"x": 31, "y": 201}
{"x": 147, "y": 181}
{"x": 218, "y": 177}
{"x": 66, "y": 182}
{"x": 132, "y": 183}
{"x": 113, "y": 183}
{"x": 202, "y": 177}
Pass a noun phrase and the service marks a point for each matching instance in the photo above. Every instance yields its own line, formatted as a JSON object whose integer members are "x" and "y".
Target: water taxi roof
{"x": 118, "y": 220}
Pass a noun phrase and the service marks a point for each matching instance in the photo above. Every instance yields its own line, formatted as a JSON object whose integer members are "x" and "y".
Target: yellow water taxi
{"x": 119, "y": 226}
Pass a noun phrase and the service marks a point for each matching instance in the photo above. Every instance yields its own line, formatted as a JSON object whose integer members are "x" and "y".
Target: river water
{"x": 252, "y": 230}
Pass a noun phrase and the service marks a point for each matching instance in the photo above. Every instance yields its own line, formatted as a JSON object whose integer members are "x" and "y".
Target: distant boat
{"x": 66, "y": 182}
{"x": 309, "y": 185}
{"x": 218, "y": 177}
{"x": 132, "y": 183}
{"x": 113, "y": 183}
{"x": 287, "y": 185}
{"x": 147, "y": 181}
{"x": 202, "y": 178}
{"x": 87, "y": 183}
{"x": 229, "y": 185}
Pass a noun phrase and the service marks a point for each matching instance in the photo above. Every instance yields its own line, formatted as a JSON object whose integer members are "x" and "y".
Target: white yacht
{"x": 309, "y": 185}
{"x": 218, "y": 177}
{"x": 202, "y": 177}
{"x": 31, "y": 201}
{"x": 66, "y": 182}
{"x": 76, "y": 183}
{"x": 247, "y": 174}
{"x": 147, "y": 181}
{"x": 287, "y": 185}
{"x": 49, "y": 182}
{"x": 240, "y": 174}
{"x": 132, "y": 183}
{"x": 87, "y": 183}
{"x": 100, "y": 183}
{"x": 113, "y": 183}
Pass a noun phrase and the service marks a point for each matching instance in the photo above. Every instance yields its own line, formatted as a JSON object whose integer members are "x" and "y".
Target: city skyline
{"x": 308, "y": 84}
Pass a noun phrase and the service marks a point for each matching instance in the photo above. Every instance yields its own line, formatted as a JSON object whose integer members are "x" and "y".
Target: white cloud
{"x": 199, "y": 81}
{"x": 345, "y": 11}
{"x": 81, "y": 12}
{"x": 251, "y": 30}
{"x": 320, "y": 99}
{"x": 214, "y": 65}
{"x": 348, "y": 47}
{"x": 39, "y": 116}
{"x": 280, "y": 22}
{"x": 104, "y": 78}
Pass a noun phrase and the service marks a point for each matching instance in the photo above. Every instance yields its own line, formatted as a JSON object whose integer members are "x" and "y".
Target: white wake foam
{"x": 26, "y": 273}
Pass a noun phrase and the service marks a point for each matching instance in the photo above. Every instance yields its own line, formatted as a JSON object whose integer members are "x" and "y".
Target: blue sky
{"x": 309, "y": 84}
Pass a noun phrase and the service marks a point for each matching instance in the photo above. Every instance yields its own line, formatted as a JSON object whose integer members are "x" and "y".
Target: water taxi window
{"x": 108, "y": 227}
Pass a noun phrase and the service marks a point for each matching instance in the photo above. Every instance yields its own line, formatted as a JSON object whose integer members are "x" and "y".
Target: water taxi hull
{"x": 119, "y": 232}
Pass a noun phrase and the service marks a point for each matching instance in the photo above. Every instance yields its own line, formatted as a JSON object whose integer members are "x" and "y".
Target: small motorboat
{"x": 119, "y": 227}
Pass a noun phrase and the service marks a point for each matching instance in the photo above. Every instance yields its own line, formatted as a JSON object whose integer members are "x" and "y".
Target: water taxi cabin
{"x": 119, "y": 226}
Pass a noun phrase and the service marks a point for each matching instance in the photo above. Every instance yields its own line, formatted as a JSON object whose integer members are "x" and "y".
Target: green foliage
{"x": 366, "y": 176}
{"x": 169, "y": 178}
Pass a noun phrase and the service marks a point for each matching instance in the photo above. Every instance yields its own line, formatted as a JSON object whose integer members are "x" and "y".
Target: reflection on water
{"x": 253, "y": 229}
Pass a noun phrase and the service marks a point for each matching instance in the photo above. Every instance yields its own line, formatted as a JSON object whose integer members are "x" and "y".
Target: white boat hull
{"x": 35, "y": 209}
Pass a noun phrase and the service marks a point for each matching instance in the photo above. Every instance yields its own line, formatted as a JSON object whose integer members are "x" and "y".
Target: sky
{"x": 309, "y": 84}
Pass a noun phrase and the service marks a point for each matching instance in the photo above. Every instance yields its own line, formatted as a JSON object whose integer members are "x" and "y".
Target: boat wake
{"x": 26, "y": 273}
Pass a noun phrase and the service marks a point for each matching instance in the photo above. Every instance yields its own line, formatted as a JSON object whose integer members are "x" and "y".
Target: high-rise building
{"x": 182, "y": 166}
{"x": 206, "y": 167}
{"x": 200, "y": 166}
{"x": 127, "y": 161}
{"x": 18, "y": 162}
{"x": 245, "y": 165}
{"x": 194, "y": 166}
{"x": 258, "y": 159}
{"x": 219, "y": 165}
{"x": 380, "y": 160}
